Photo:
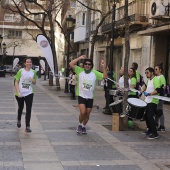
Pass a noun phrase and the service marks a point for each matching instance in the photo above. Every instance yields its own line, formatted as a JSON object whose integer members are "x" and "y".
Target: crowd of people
{"x": 83, "y": 79}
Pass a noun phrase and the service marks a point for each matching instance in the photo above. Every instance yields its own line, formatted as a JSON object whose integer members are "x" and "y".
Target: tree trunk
{"x": 126, "y": 60}
{"x": 53, "y": 44}
{"x": 92, "y": 47}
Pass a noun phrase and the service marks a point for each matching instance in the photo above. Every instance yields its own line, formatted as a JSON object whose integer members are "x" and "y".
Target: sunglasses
{"x": 156, "y": 69}
{"x": 146, "y": 72}
{"x": 87, "y": 64}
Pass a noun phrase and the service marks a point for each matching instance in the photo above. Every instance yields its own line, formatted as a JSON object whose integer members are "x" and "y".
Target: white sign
{"x": 46, "y": 48}
{"x": 42, "y": 63}
{"x": 15, "y": 62}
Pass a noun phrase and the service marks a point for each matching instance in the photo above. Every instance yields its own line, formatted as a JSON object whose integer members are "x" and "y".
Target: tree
{"x": 97, "y": 8}
{"x": 127, "y": 54}
{"x": 46, "y": 10}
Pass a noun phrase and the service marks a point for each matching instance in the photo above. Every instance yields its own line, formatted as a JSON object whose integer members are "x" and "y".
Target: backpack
{"x": 140, "y": 83}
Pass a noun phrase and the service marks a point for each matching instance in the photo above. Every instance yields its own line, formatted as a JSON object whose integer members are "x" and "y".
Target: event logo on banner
{"x": 15, "y": 62}
{"x": 46, "y": 48}
{"x": 42, "y": 63}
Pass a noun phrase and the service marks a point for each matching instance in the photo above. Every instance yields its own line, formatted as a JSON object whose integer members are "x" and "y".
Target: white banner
{"x": 15, "y": 62}
{"x": 46, "y": 48}
{"x": 42, "y": 63}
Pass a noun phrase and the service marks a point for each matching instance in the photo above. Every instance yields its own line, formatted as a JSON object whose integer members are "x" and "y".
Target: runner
{"x": 86, "y": 78}
{"x": 24, "y": 79}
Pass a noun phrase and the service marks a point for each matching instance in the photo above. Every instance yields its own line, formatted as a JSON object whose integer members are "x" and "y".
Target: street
{"x": 55, "y": 145}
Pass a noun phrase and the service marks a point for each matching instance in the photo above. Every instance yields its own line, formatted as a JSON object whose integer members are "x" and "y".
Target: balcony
{"x": 138, "y": 15}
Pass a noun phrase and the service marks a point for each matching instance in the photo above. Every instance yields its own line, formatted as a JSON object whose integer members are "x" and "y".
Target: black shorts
{"x": 87, "y": 102}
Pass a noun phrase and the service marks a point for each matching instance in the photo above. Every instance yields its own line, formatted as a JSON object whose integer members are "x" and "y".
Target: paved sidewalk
{"x": 54, "y": 144}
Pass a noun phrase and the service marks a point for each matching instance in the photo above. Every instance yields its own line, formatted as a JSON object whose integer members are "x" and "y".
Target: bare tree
{"x": 47, "y": 10}
{"x": 127, "y": 55}
{"x": 103, "y": 15}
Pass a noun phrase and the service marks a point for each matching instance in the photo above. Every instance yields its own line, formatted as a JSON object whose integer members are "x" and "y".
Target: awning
{"x": 161, "y": 30}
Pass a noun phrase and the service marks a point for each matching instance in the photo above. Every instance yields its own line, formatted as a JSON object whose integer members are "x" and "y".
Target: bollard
{"x": 117, "y": 122}
{"x": 51, "y": 80}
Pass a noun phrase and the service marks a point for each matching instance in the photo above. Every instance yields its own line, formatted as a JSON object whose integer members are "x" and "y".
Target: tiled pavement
{"x": 54, "y": 144}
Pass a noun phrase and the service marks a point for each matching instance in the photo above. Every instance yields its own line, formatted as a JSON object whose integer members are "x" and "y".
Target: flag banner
{"x": 46, "y": 48}
{"x": 42, "y": 63}
{"x": 15, "y": 62}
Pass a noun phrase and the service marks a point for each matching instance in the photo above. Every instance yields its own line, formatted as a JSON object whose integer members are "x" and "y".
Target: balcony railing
{"x": 137, "y": 10}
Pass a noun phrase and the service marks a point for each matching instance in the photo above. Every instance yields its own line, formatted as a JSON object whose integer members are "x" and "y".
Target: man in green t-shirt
{"x": 151, "y": 88}
{"x": 86, "y": 78}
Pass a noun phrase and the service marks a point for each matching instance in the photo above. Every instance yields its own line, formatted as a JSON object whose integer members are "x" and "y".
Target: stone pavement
{"x": 54, "y": 144}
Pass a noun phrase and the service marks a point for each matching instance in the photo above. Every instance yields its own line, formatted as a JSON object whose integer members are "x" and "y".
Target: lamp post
{"x": 14, "y": 46}
{"x": 109, "y": 98}
{"x": 1, "y": 38}
{"x": 70, "y": 22}
{"x": 4, "y": 52}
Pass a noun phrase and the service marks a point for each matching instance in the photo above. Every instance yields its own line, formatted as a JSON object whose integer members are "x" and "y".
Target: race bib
{"x": 87, "y": 85}
{"x": 25, "y": 86}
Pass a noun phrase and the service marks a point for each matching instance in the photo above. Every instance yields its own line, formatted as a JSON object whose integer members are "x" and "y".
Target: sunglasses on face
{"x": 156, "y": 69}
{"x": 146, "y": 72}
{"x": 87, "y": 64}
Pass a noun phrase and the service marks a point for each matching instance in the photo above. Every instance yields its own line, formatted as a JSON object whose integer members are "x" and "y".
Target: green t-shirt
{"x": 137, "y": 76}
{"x": 132, "y": 81}
{"x": 114, "y": 78}
{"x": 25, "y": 85}
{"x": 86, "y": 82}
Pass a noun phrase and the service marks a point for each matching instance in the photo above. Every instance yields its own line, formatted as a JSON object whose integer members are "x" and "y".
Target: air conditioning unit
{"x": 158, "y": 7}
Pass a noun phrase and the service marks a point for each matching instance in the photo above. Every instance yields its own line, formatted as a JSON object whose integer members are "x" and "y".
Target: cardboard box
{"x": 117, "y": 122}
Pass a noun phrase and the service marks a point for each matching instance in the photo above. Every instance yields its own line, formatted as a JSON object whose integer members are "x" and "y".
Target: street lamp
{"x": 14, "y": 46}
{"x": 4, "y": 52}
{"x": 1, "y": 38}
{"x": 70, "y": 22}
{"x": 109, "y": 98}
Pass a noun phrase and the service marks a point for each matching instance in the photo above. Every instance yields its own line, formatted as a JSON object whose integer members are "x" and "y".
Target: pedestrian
{"x": 151, "y": 88}
{"x": 106, "y": 87}
{"x": 160, "y": 115}
{"x": 73, "y": 84}
{"x": 86, "y": 78}
{"x": 70, "y": 79}
{"x": 24, "y": 79}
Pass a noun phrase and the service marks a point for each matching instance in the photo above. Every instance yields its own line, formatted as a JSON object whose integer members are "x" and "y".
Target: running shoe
{"x": 79, "y": 129}
{"x": 122, "y": 114}
{"x": 147, "y": 132}
{"x": 84, "y": 130}
{"x": 28, "y": 129}
{"x": 153, "y": 136}
{"x": 161, "y": 128}
{"x": 18, "y": 123}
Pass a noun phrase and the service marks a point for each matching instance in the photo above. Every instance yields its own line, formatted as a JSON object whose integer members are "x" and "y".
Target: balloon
{"x": 130, "y": 123}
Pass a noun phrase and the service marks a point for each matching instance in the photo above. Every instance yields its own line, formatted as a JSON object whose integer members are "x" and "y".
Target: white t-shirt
{"x": 25, "y": 85}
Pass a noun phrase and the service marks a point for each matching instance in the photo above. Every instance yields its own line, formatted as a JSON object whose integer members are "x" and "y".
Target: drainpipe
{"x": 152, "y": 52}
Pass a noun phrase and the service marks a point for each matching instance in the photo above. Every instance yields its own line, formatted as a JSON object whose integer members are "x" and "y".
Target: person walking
{"x": 86, "y": 78}
{"x": 73, "y": 84}
{"x": 24, "y": 79}
{"x": 151, "y": 88}
{"x": 160, "y": 115}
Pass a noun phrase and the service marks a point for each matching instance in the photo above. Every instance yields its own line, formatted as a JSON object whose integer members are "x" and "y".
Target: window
{"x": 14, "y": 34}
{"x": 12, "y": 18}
{"x": 72, "y": 4}
{"x": 83, "y": 18}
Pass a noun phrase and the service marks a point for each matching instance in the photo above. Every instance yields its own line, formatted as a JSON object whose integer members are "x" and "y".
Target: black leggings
{"x": 28, "y": 101}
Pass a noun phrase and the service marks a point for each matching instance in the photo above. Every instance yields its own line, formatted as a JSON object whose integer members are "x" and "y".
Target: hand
{"x": 19, "y": 95}
{"x": 82, "y": 57}
{"x": 139, "y": 93}
{"x": 102, "y": 63}
{"x": 146, "y": 93}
